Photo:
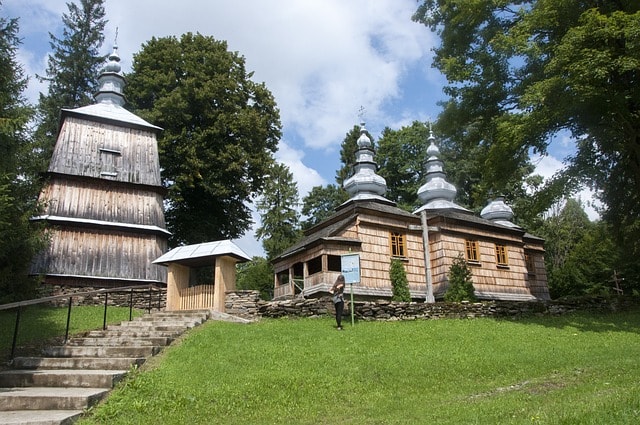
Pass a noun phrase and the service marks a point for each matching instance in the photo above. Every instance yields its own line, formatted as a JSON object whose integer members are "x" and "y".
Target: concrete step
{"x": 61, "y": 378}
{"x": 87, "y": 363}
{"x": 125, "y": 351}
{"x": 199, "y": 314}
{"x": 173, "y": 330}
{"x": 56, "y": 388}
{"x": 160, "y": 324}
{"x": 119, "y": 341}
{"x": 39, "y": 417}
{"x": 132, "y": 333}
{"x": 41, "y": 398}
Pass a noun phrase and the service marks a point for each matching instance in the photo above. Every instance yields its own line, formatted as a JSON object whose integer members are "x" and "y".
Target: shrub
{"x": 399, "y": 283}
{"x": 460, "y": 283}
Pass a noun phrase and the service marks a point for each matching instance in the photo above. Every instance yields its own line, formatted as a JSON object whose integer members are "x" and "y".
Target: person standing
{"x": 337, "y": 290}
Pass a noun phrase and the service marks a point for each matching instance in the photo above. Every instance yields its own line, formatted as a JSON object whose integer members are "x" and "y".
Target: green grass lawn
{"x": 40, "y": 326}
{"x": 580, "y": 369}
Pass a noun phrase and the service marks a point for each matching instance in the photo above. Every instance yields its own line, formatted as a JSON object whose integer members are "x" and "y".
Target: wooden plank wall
{"x": 78, "y": 152}
{"x": 197, "y": 297}
{"x": 487, "y": 276}
{"x": 110, "y": 254}
{"x": 375, "y": 257}
{"x": 99, "y": 200}
{"x": 538, "y": 280}
{"x": 445, "y": 245}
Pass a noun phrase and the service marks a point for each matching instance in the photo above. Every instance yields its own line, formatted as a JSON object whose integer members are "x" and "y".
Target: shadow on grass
{"x": 45, "y": 326}
{"x": 39, "y": 327}
{"x": 627, "y": 320}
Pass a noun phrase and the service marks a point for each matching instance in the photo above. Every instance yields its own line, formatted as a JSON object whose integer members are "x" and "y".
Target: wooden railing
{"x": 289, "y": 289}
{"x": 18, "y": 306}
{"x": 196, "y": 297}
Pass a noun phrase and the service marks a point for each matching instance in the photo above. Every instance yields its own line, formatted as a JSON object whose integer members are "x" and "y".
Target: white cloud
{"x": 547, "y": 166}
{"x": 305, "y": 177}
{"x": 322, "y": 59}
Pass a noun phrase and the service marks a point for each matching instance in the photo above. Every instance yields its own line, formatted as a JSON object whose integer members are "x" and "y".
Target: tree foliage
{"x": 220, "y": 130}
{"x": 280, "y": 220}
{"x": 521, "y": 72}
{"x": 580, "y": 256}
{"x": 321, "y": 202}
{"x": 72, "y": 69}
{"x": 460, "y": 283}
{"x": 18, "y": 240}
{"x": 399, "y": 282}
{"x": 348, "y": 149}
{"x": 401, "y": 155}
{"x": 256, "y": 274}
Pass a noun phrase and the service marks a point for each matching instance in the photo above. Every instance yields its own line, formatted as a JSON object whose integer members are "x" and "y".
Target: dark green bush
{"x": 460, "y": 283}
{"x": 399, "y": 282}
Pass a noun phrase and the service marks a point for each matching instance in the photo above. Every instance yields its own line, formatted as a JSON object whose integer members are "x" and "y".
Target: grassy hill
{"x": 579, "y": 369}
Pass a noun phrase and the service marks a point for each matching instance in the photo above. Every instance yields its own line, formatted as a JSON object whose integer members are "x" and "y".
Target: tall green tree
{"x": 348, "y": 149}
{"x": 521, "y": 72}
{"x": 256, "y": 274}
{"x": 321, "y": 202}
{"x": 280, "y": 220}
{"x": 580, "y": 256}
{"x": 220, "y": 130}
{"x": 18, "y": 240}
{"x": 401, "y": 155}
{"x": 72, "y": 69}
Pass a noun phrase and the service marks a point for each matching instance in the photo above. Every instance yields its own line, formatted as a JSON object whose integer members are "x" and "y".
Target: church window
{"x": 398, "y": 245}
{"x": 502, "y": 256}
{"x": 472, "y": 251}
{"x": 530, "y": 263}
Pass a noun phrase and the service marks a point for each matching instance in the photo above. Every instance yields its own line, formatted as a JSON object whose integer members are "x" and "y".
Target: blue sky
{"x": 322, "y": 59}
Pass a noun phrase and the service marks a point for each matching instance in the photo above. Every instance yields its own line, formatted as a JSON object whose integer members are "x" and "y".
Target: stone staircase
{"x": 57, "y": 387}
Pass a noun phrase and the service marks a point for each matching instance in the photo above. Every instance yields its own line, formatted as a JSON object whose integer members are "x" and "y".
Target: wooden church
{"x": 103, "y": 198}
{"x": 507, "y": 263}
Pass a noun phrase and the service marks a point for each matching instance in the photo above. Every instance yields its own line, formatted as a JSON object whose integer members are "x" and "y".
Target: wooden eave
{"x": 345, "y": 215}
{"x": 107, "y": 120}
{"x": 446, "y": 219}
{"x": 102, "y": 225}
{"x": 323, "y": 233}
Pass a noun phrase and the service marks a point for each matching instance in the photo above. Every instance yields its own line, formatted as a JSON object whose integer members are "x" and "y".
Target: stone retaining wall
{"x": 115, "y": 299}
{"x": 248, "y": 304}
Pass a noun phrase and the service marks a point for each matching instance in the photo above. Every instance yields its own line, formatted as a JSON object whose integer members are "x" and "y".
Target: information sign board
{"x": 350, "y": 267}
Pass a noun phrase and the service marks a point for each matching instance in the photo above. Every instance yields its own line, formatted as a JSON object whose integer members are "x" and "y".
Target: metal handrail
{"x": 106, "y": 291}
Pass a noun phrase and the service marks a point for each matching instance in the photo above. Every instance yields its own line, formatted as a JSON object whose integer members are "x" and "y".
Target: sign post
{"x": 350, "y": 268}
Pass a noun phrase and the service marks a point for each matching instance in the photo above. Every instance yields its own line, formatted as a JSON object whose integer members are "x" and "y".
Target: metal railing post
{"x": 104, "y": 319}
{"x": 15, "y": 334}
{"x": 131, "y": 305}
{"x": 149, "y": 299}
{"x": 66, "y": 332}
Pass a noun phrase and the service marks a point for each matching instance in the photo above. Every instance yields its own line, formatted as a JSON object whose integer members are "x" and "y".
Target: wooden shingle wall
{"x": 104, "y": 199}
{"x": 99, "y": 200}
{"x": 488, "y": 277}
{"x": 375, "y": 255}
{"x": 80, "y": 252}
{"x": 101, "y": 150}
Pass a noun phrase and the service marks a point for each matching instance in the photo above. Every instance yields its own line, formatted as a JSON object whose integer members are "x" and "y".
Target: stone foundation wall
{"x": 247, "y": 304}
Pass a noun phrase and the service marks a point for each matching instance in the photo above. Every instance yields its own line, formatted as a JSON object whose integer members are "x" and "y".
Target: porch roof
{"x": 202, "y": 254}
